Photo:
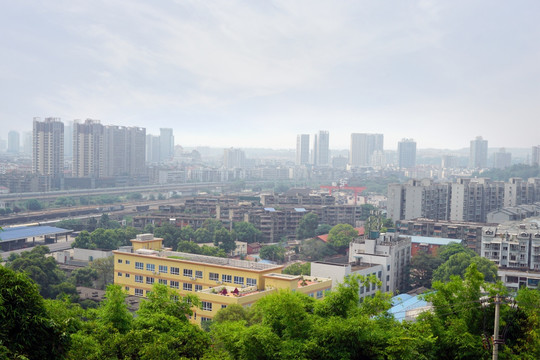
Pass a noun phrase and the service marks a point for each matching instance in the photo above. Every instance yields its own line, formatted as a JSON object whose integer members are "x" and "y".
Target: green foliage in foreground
{"x": 282, "y": 325}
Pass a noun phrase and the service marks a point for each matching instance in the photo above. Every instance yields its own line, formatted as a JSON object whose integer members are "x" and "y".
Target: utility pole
{"x": 496, "y": 329}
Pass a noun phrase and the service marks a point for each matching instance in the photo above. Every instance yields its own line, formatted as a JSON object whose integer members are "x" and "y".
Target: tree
{"x": 165, "y": 300}
{"x": 33, "y": 204}
{"x": 307, "y": 226}
{"x": 246, "y": 232}
{"x": 315, "y": 250}
{"x": 421, "y": 270}
{"x": 187, "y": 233}
{"x": 212, "y": 225}
{"x": 223, "y": 239}
{"x": 114, "y": 309}
{"x": 322, "y": 229}
{"x": 272, "y": 252}
{"x": 105, "y": 271}
{"x": 298, "y": 269}
{"x": 84, "y": 276}
{"x": 27, "y": 331}
{"x": 458, "y": 263}
{"x": 341, "y": 235}
{"x": 203, "y": 236}
{"x": 169, "y": 233}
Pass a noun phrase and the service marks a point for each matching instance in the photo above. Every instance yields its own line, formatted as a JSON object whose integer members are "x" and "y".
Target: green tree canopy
{"x": 298, "y": 269}
{"x": 322, "y": 229}
{"x": 307, "y": 226}
{"x": 341, "y": 235}
{"x": 272, "y": 253}
{"x": 246, "y": 232}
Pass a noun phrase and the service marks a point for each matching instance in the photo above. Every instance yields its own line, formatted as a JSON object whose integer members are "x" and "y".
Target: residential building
{"x": 234, "y": 158}
{"x": 321, "y": 149}
{"x": 363, "y": 147}
{"x": 88, "y": 149}
{"x": 27, "y": 143}
{"x": 166, "y": 143}
{"x": 302, "y": 149}
{"x": 449, "y": 162}
{"x": 515, "y": 248}
{"x": 478, "y": 153}
{"x": 68, "y": 139}
{"x": 218, "y": 282}
{"x": 473, "y": 199}
{"x": 468, "y": 233}
{"x": 14, "y": 142}
{"x": 153, "y": 149}
{"x": 48, "y": 147}
{"x": 502, "y": 159}
{"x": 419, "y": 199}
{"x": 406, "y": 154}
{"x": 392, "y": 251}
{"x": 429, "y": 245}
{"x": 514, "y": 213}
{"x": 518, "y": 191}
{"x": 535, "y": 156}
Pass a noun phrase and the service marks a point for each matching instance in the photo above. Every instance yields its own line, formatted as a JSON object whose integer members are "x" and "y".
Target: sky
{"x": 257, "y": 73}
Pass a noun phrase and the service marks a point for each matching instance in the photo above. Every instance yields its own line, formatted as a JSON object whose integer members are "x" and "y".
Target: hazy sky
{"x": 256, "y": 73}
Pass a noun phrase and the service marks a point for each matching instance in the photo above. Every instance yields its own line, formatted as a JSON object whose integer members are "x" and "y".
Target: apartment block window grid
{"x": 213, "y": 276}
{"x": 151, "y": 267}
{"x": 188, "y": 272}
{"x": 198, "y": 274}
{"x": 239, "y": 280}
{"x": 207, "y": 306}
{"x": 138, "y": 278}
{"x": 139, "y": 292}
{"x": 226, "y": 278}
{"x": 150, "y": 280}
{"x": 175, "y": 284}
{"x": 175, "y": 271}
{"x": 163, "y": 269}
{"x": 187, "y": 287}
{"x": 139, "y": 265}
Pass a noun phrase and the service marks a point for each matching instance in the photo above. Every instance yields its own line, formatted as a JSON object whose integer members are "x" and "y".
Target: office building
{"x": 321, "y": 149}
{"x": 48, "y": 147}
{"x": 363, "y": 147}
{"x": 502, "y": 159}
{"x": 478, "y": 153}
{"x": 234, "y": 158}
{"x": 217, "y": 282}
{"x": 88, "y": 149}
{"x": 535, "y": 158}
{"x": 302, "y": 149}
{"x": 515, "y": 248}
{"x": 406, "y": 154}
{"x": 166, "y": 143}
{"x": 13, "y": 142}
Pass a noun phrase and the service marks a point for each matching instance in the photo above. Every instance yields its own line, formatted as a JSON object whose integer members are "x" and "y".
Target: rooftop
{"x": 25, "y": 232}
{"x": 432, "y": 240}
{"x": 181, "y": 256}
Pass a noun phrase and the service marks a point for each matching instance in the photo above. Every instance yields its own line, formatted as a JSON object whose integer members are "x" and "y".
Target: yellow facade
{"x": 136, "y": 270}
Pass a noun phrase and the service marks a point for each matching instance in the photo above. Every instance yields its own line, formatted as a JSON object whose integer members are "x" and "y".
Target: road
{"x": 61, "y": 245}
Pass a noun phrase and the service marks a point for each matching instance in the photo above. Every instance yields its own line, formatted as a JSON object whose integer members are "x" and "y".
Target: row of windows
{"x": 319, "y": 294}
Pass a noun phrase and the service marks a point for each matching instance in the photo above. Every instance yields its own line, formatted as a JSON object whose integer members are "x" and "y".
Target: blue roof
{"x": 299, "y": 209}
{"x": 25, "y": 232}
{"x": 269, "y": 209}
{"x": 433, "y": 240}
{"x": 404, "y": 302}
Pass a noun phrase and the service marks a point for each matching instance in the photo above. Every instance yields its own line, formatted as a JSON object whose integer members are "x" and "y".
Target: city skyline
{"x": 258, "y": 74}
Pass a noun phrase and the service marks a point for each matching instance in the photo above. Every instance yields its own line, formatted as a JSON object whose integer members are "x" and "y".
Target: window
{"x": 175, "y": 271}
{"x": 150, "y": 280}
{"x": 139, "y": 292}
{"x": 387, "y": 267}
{"x": 163, "y": 269}
{"x": 214, "y": 276}
{"x": 319, "y": 294}
{"x": 139, "y": 265}
{"x": 150, "y": 267}
{"x": 128, "y": 262}
{"x": 198, "y": 274}
{"x": 379, "y": 274}
{"x": 188, "y": 272}
{"x": 205, "y": 319}
{"x": 311, "y": 295}
{"x": 223, "y": 306}
{"x": 226, "y": 278}
{"x": 187, "y": 287}
{"x": 119, "y": 261}
{"x": 127, "y": 288}
{"x": 138, "y": 278}
{"x": 174, "y": 284}
{"x": 127, "y": 275}
{"x": 373, "y": 287}
{"x": 239, "y": 280}
{"x": 162, "y": 281}
{"x": 361, "y": 289}
{"x": 207, "y": 306}
{"x": 198, "y": 287}
{"x": 251, "y": 282}
{"x": 119, "y": 274}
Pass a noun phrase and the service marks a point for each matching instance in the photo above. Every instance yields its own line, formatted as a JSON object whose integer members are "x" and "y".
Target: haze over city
{"x": 255, "y": 74}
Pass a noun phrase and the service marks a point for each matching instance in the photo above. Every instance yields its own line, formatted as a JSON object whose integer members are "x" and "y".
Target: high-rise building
{"x": 362, "y": 148}
{"x": 302, "y": 149}
{"x": 153, "y": 149}
{"x": 88, "y": 149}
{"x": 321, "y": 149}
{"x": 68, "y": 139}
{"x": 449, "y": 162}
{"x": 407, "y": 153}
{"x": 535, "y": 158}
{"x": 166, "y": 141}
{"x": 27, "y": 143}
{"x": 502, "y": 159}
{"x": 233, "y": 158}
{"x": 478, "y": 153}
{"x": 473, "y": 199}
{"x": 48, "y": 147}
{"x": 14, "y": 142}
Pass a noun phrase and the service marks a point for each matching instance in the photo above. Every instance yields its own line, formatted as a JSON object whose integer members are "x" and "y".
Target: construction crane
{"x": 356, "y": 189}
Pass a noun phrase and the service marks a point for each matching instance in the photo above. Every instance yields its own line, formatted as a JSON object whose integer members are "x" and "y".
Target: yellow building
{"x": 217, "y": 282}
